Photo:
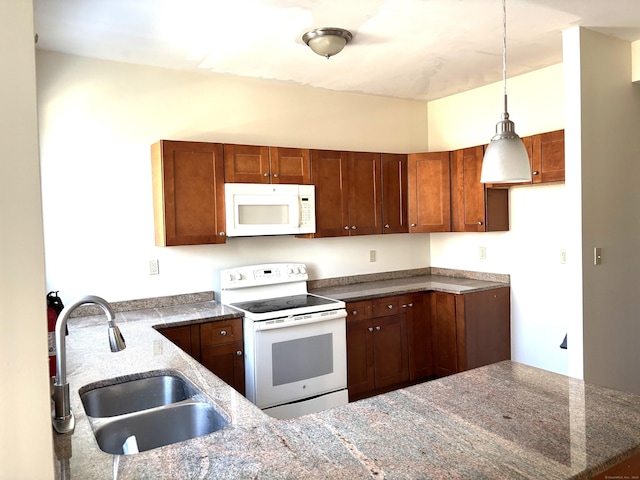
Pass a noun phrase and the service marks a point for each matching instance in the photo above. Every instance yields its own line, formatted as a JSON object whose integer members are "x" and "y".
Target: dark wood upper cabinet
{"x": 364, "y": 186}
{"x": 475, "y": 208}
{"x": 429, "y": 192}
{"x": 394, "y": 193}
{"x": 548, "y": 157}
{"x": 260, "y": 164}
{"x": 347, "y": 193}
{"x": 329, "y": 174}
{"x": 188, "y": 193}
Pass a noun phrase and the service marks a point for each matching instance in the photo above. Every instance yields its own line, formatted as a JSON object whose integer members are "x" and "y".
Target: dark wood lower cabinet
{"x": 419, "y": 334}
{"x": 218, "y": 345}
{"x": 393, "y": 342}
{"x": 470, "y": 330}
{"x": 377, "y": 347}
{"x": 227, "y": 362}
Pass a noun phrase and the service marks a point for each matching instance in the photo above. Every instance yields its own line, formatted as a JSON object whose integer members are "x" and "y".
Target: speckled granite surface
{"x": 418, "y": 283}
{"x": 503, "y": 421}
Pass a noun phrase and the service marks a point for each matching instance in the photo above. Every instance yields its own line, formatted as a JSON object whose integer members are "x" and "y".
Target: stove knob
{"x": 303, "y": 270}
{"x": 296, "y": 270}
{"x": 289, "y": 271}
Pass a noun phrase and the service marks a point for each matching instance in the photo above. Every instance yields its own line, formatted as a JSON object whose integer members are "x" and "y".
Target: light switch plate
{"x": 597, "y": 256}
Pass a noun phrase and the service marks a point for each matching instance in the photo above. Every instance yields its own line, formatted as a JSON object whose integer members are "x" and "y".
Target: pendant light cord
{"x": 504, "y": 54}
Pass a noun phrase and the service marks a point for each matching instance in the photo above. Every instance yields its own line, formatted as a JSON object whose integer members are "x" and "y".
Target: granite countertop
{"x": 397, "y": 286}
{"x": 502, "y": 421}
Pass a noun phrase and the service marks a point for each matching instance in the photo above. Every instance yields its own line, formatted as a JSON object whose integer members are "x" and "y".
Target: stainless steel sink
{"x": 135, "y": 395}
{"x": 148, "y": 411}
{"x": 159, "y": 426}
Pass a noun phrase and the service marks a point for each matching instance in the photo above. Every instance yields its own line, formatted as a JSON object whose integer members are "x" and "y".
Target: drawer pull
{"x": 223, "y": 333}
{"x": 389, "y": 306}
{"x": 354, "y": 312}
{"x": 370, "y": 329}
{"x": 378, "y": 328}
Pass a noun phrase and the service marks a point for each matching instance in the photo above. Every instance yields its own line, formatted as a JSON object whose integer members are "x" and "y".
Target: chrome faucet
{"x": 62, "y": 417}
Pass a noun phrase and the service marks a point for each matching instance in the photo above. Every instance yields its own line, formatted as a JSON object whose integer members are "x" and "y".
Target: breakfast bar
{"x": 502, "y": 421}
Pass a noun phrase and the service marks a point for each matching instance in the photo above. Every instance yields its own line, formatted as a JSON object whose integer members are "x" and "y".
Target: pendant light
{"x": 327, "y": 41}
{"x": 506, "y": 159}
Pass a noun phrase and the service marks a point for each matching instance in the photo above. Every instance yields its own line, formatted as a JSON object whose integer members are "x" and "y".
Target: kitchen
{"x": 112, "y": 113}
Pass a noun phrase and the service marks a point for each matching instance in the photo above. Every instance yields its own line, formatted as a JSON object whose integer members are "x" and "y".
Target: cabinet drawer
{"x": 385, "y": 306}
{"x": 358, "y": 310}
{"x": 217, "y": 333}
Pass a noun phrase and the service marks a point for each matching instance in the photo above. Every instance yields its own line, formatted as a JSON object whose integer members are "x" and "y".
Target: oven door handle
{"x": 297, "y": 320}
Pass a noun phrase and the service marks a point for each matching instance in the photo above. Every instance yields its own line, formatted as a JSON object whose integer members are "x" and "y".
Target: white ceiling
{"x": 418, "y": 49}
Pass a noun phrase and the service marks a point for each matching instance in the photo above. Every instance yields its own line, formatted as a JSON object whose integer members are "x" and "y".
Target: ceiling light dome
{"x": 327, "y": 41}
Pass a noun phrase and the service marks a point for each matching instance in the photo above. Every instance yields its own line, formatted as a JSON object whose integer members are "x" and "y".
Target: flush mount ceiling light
{"x": 327, "y": 41}
{"x": 506, "y": 159}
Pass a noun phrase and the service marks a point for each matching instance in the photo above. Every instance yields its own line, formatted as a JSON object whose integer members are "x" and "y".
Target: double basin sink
{"x": 147, "y": 411}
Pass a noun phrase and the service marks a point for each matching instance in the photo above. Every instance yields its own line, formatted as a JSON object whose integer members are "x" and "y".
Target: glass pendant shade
{"x": 327, "y": 41}
{"x": 506, "y": 159}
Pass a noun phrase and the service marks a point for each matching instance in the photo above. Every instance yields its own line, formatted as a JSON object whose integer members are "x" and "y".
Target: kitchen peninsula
{"x": 504, "y": 420}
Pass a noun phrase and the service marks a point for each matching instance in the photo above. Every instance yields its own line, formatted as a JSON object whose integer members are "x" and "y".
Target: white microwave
{"x": 255, "y": 209}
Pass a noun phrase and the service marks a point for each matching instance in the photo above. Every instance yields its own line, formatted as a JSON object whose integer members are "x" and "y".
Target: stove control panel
{"x": 262, "y": 275}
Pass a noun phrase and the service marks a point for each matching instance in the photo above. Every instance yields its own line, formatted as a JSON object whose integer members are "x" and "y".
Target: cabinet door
{"x": 467, "y": 195}
{"x": 360, "y": 367}
{"x": 365, "y": 204}
{"x": 475, "y": 208}
{"x": 246, "y": 164}
{"x": 290, "y": 165}
{"x": 418, "y": 312}
{"x": 548, "y": 157}
{"x": 329, "y": 174}
{"x": 390, "y": 352}
{"x": 445, "y": 338}
{"x": 181, "y": 336}
{"x": 429, "y": 192}
{"x": 394, "y": 193}
{"x": 484, "y": 333}
{"x": 188, "y": 193}
{"x": 227, "y": 362}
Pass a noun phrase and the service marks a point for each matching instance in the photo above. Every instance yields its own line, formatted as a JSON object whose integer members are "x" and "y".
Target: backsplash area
{"x": 168, "y": 301}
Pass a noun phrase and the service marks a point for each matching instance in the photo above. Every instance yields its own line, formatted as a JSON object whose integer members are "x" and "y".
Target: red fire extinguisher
{"x": 54, "y": 307}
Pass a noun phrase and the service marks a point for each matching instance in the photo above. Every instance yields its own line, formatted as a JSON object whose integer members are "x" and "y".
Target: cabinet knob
{"x": 411, "y": 305}
{"x": 221, "y": 234}
{"x": 370, "y": 329}
{"x": 389, "y": 306}
{"x": 275, "y": 175}
{"x": 479, "y": 222}
{"x": 378, "y": 328}
{"x": 535, "y": 172}
{"x": 386, "y": 226}
{"x": 347, "y": 227}
{"x": 413, "y": 224}
{"x": 265, "y": 174}
{"x": 353, "y": 227}
{"x": 354, "y": 312}
{"x": 223, "y": 333}
{"x": 239, "y": 353}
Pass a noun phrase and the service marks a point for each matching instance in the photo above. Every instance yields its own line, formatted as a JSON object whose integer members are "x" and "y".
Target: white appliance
{"x": 294, "y": 342}
{"x": 254, "y": 209}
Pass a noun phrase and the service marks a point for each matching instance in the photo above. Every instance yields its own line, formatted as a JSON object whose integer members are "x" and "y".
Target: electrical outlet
{"x": 372, "y": 255}
{"x": 483, "y": 253}
{"x": 154, "y": 269}
{"x": 563, "y": 255}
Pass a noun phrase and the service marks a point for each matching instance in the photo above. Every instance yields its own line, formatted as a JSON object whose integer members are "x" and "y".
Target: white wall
{"x": 530, "y": 251}
{"x": 97, "y": 122}
{"x": 610, "y": 145}
{"x": 25, "y": 436}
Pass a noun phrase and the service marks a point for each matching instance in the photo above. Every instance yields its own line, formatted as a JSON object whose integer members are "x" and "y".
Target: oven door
{"x": 296, "y": 358}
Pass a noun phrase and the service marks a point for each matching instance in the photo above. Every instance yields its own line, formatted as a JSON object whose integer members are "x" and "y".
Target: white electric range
{"x": 294, "y": 341}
